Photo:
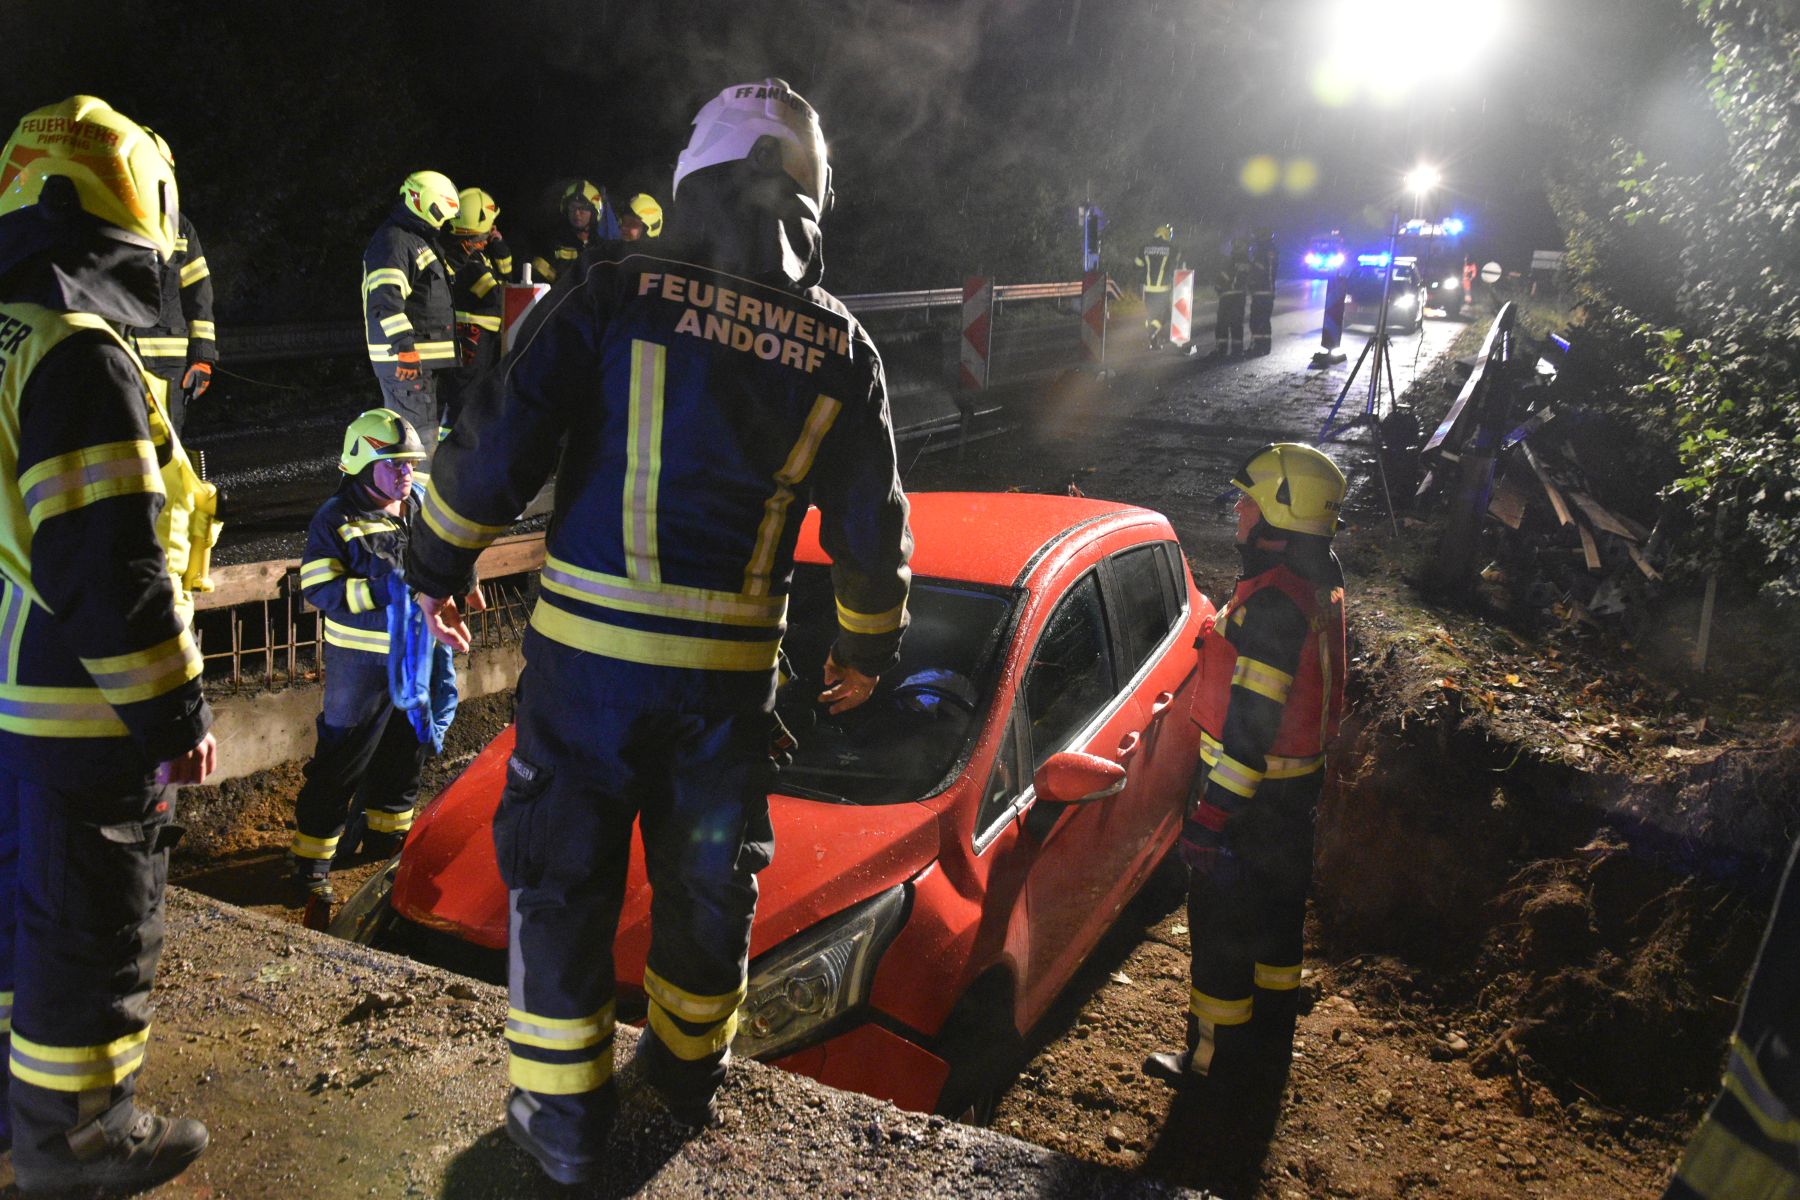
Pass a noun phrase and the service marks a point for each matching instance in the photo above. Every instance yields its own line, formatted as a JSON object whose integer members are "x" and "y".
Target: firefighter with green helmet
{"x": 367, "y": 748}
{"x": 1270, "y": 697}
{"x": 101, "y": 710}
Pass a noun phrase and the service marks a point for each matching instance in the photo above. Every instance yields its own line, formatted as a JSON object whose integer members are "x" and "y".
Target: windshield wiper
{"x": 799, "y": 790}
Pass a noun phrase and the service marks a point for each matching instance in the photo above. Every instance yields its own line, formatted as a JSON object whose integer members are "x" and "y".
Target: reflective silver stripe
{"x": 12, "y": 612}
{"x": 78, "y": 1068}
{"x": 688, "y": 1005}
{"x": 643, "y": 460}
{"x": 204, "y": 331}
{"x": 1744, "y": 1079}
{"x": 559, "y": 1033}
{"x": 668, "y": 600}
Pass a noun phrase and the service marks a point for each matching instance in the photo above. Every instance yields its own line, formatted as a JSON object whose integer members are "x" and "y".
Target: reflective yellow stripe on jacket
{"x": 349, "y": 637}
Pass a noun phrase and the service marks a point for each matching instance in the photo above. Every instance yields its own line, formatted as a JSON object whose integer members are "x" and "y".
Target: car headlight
{"x": 1314, "y": 260}
{"x": 798, "y": 988}
{"x": 1334, "y": 262}
{"x": 1452, "y": 283}
{"x": 1405, "y": 302}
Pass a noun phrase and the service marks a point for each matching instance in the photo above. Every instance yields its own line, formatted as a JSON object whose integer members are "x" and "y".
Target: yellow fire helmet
{"x": 649, "y": 212}
{"x": 429, "y": 196}
{"x": 584, "y": 192}
{"x": 162, "y": 147}
{"x": 476, "y": 213}
{"x": 119, "y": 175}
{"x": 1165, "y": 233}
{"x": 378, "y": 435}
{"x": 1297, "y": 488}
{"x": 731, "y": 124}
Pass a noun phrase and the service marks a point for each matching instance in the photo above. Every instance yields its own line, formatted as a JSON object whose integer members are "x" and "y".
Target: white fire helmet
{"x": 737, "y": 118}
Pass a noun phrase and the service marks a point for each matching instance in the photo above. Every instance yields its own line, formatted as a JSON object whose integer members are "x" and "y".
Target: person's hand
{"x": 197, "y": 379}
{"x": 406, "y": 366}
{"x": 845, "y": 687}
{"x": 445, "y": 619}
{"x": 475, "y": 601}
{"x": 192, "y": 767}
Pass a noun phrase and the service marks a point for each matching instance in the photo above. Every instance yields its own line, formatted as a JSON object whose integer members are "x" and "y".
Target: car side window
{"x": 1071, "y": 674}
{"x": 1144, "y": 605}
{"x": 1004, "y": 784}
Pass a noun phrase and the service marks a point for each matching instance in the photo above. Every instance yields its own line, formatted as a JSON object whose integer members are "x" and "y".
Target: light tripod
{"x": 1377, "y": 352}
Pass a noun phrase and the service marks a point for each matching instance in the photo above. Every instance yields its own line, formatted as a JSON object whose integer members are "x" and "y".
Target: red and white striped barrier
{"x": 1181, "y": 309}
{"x": 978, "y": 326}
{"x": 1093, "y": 315}
{"x": 517, "y": 301}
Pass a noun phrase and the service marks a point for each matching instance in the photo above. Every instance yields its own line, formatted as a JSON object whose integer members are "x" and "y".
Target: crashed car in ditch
{"x": 948, "y": 854}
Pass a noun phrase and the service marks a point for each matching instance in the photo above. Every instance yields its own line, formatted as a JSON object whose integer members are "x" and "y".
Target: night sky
{"x": 963, "y": 132}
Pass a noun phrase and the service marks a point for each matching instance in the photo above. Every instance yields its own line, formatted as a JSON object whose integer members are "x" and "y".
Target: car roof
{"x": 982, "y": 537}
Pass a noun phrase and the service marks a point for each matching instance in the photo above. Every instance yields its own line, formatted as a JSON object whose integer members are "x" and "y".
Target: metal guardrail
{"x": 325, "y": 339}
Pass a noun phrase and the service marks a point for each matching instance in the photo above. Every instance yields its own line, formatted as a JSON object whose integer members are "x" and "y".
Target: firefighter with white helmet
{"x": 101, "y": 710}
{"x": 700, "y": 401}
{"x": 1270, "y": 698}
{"x": 407, "y": 308}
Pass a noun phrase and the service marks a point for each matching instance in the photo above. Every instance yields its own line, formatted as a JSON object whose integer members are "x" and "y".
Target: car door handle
{"x": 1128, "y": 745}
{"x": 1160, "y": 705}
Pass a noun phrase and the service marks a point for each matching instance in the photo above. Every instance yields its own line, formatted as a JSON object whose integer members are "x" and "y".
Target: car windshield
{"x": 907, "y": 740}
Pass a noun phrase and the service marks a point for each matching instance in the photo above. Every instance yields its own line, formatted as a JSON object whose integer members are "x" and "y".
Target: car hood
{"x": 827, "y": 857}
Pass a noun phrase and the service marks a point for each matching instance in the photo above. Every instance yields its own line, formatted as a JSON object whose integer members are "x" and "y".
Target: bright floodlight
{"x": 1382, "y": 50}
{"x": 1422, "y": 179}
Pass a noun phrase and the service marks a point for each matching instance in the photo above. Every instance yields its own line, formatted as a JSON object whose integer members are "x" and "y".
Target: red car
{"x": 946, "y": 855}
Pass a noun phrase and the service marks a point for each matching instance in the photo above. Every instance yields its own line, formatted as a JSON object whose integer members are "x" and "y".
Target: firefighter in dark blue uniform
{"x": 1231, "y": 282}
{"x": 475, "y": 254}
{"x": 367, "y": 748}
{"x": 587, "y": 218}
{"x": 1270, "y": 697}
{"x": 1263, "y": 265}
{"x": 693, "y": 406}
{"x": 100, "y": 698}
{"x": 407, "y": 311}
{"x": 1160, "y": 260}
{"x": 181, "y": 348}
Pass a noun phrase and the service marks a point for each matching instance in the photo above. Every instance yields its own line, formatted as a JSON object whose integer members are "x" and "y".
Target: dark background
{"x": 964, "y": 133}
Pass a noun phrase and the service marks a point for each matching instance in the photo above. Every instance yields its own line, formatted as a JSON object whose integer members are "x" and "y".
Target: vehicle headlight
{"x": 1334, "y": 262}
{"x": 1452, "y": 283}
{"x": 798, "y": 988}
{"x": 1406, "y": 301}
{"x": 1314, "y": 260}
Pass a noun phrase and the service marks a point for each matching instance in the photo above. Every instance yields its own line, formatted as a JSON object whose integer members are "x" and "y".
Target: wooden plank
{"x": 1589, "y": 549}
{"x": 1643, "y": 564}
{"x": 243, "y": 583}
{"x": 1601, "y": 518}
{"x": 1563, "y": 515}
{"x": 514, "y": 555}
{"x": 1509, "y": 501}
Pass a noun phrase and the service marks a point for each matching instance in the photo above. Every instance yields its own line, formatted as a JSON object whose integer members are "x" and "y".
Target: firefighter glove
{"x": 406, "y": 369}
{"x": 197, "y": 379}
{"x": 782, "y": 743}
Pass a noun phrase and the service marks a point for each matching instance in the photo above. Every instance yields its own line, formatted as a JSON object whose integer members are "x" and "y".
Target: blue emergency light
{"x": 1454, "y": 227}
{"x": 1373, "y": 260}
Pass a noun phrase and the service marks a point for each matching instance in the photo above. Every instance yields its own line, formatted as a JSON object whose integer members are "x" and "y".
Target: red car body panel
{"x": 1032, "y": 903}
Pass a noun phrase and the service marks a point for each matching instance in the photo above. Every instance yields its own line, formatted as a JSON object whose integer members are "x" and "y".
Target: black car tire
{"x": 984, "y": 1051}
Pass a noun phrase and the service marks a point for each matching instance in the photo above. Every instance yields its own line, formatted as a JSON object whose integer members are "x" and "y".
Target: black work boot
{"x": 685, "y": 1088}
{"x": 566, "y": 1144}
{"x": 149, "y": 1150}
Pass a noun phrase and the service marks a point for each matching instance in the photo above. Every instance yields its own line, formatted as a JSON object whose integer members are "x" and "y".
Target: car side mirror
{"x": 1074, "y": 778}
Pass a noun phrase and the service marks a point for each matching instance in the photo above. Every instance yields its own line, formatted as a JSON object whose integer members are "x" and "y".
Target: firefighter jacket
{"x": 1159, "y": 260}
{"x": 501, "y": 256}
{"x": 479, "y": 298}
{"x": 406, "y": 296}
{"x": 696, "y": 415}
{"x": 99, "y": 674}
{"x": 1261, "y": 266}
{"x": 353, "y": 548}
{"x": 1233, "y": 276}
{"x": 185, "y": 332}
{"x": 558, "y": 258}
{"x": 1271, "y": 688}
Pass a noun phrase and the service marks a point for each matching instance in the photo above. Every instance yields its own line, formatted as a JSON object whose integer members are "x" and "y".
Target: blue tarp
{"x": 421, "y": 672}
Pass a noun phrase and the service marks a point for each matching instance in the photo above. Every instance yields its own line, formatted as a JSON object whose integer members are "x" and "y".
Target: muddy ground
{"x": 1543, "y": 858}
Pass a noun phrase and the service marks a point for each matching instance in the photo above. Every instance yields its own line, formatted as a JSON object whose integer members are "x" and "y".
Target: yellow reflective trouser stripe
{"x": 398, "y": 323}
{"x": 452, "y": 526}
{"x": 560, "y": 1079}
{"x": 303, "y": 846}
{"x": 57, "y": 712}
{"x": 6, "y": 1003}
{"x": 127, "y": 678}
{"x": 478, "y": 320}
{"x": 1234, "y": 776}
{"x": 652, "y": 649}
{"x": 1719, "y": 1165}
{"x": 691, "y": 1047}
{"x": 388, "y": 822}
{"x": 321, "y": 570}
{"x": 1277, "y": 766}
{"x": 690, "y": 1006}
{"x": 204, "y": 331}
{"x": 387, "y": 277}
{"x": 350, "y": 530}
{"x": 194, "y": 272}
{"x": 161, "y": 347}
{"x": 78, "y": 1068}
{"x": 358, "y": 596}
{"x": 662, "y": 599}
{"x": 70, "y": 481}
{"x": 1217, "y": 1011}
{"x": 559, "y": 1033}
{"x": 432, "y": 351}
{"x": 884, "y": 622}
{"x": 481, "y": 287}
{"x": 799, "y": 462}
{"x": 351, "y": 638}
{"x": 1277, "y": 979}
{"x": 1744, "y": 1079}
{"x": 643, "y": 460}
{"x": 1262, "y": 679}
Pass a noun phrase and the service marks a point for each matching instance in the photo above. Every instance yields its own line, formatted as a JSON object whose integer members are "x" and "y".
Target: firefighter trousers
{"x": 580, "y": 775}
{"x": 1262, "y": 314}
{"x": 367, "y": 752}
{"x": 1246, "y": 921}
{"x": 81, "y": 928}
{"x": 1158, "y": 305}
{"x": 1228, "y": 328}
{"x": 417, "y": 401}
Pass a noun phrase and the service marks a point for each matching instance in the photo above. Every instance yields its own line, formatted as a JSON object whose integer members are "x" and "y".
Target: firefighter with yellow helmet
{"x": 407, "y": 308}
{"x": 1159, "y": 260}
{"x": 587, "y": 217}
{"x": 479, "y": 263}
{"x": 366, "y": 746}
{"x": 687, "y": 463}
{"x": 101, "y": 710}
{"x": 182, "y": 346}
{"x": 642, "y": 218}
{"x": 1270, "y": 698}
